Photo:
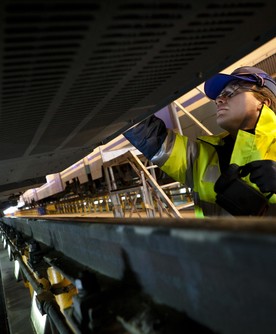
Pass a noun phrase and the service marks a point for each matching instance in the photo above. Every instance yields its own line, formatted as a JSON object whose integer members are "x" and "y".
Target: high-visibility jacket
{"x": 196, "y": 163}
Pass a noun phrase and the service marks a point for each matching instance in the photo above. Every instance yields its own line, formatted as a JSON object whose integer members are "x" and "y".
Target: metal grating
{"x": 41, "y": 42}
{"x": 77, "y": 73}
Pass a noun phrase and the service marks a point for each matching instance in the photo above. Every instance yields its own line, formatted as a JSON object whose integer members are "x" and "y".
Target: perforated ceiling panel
{"x": 77, "y": 73}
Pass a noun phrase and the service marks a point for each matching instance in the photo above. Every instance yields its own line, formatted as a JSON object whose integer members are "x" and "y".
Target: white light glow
{"x": 20, "y": 203}
{"x": 38, "y": 320}
{"x": 17, "y": 270}
{"x": 11, "y": 210}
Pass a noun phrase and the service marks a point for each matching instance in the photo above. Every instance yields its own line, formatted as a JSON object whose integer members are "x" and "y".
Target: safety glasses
{"x": 230, "y": 92}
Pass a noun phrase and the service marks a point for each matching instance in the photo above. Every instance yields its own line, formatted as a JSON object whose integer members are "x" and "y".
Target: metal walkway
{"x": 155, "y": 200}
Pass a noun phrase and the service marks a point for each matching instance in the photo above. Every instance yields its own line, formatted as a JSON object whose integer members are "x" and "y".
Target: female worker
{"x": 233, "y": 172}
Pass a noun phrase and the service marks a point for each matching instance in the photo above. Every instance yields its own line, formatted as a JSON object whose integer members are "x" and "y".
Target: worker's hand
{"x": 148, "y": 136}
{"x": 263, "y": 173}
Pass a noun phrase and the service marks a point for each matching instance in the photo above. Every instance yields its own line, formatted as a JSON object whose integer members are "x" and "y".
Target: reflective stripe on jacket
{"x": 196, "y": 163}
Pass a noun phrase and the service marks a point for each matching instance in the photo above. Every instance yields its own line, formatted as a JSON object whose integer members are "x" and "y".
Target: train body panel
{"x": 78, "y": 175}
{"x": 94, "y": 163}
{"x": 52, "y": 187}
{"x": 109, "y": 155}
{"x": 29, "y": 196}
{"x": 77, "y": 170}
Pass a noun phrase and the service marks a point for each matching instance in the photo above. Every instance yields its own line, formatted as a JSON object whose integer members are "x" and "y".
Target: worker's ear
{"x": 267, "y": 102}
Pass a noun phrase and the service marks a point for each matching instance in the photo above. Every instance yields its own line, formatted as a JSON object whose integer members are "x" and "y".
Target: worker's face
{"x": 237, "y": 108}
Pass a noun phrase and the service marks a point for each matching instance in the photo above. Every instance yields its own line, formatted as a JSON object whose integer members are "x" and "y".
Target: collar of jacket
{"x": 267, "y": 122}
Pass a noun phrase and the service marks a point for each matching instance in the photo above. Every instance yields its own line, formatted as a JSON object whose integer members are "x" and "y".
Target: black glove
{"x": 262, "y": 173}
{"x": 148, "y": 136}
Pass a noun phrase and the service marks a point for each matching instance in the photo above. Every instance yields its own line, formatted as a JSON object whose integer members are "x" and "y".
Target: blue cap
{"x": 215, "y": 85}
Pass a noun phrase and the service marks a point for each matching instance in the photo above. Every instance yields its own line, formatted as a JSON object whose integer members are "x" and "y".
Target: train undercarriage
{"x": 146, "y": 276}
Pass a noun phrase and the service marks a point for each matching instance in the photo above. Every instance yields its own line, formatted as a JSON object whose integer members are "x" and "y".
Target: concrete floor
{"x": 16, "y": 298}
